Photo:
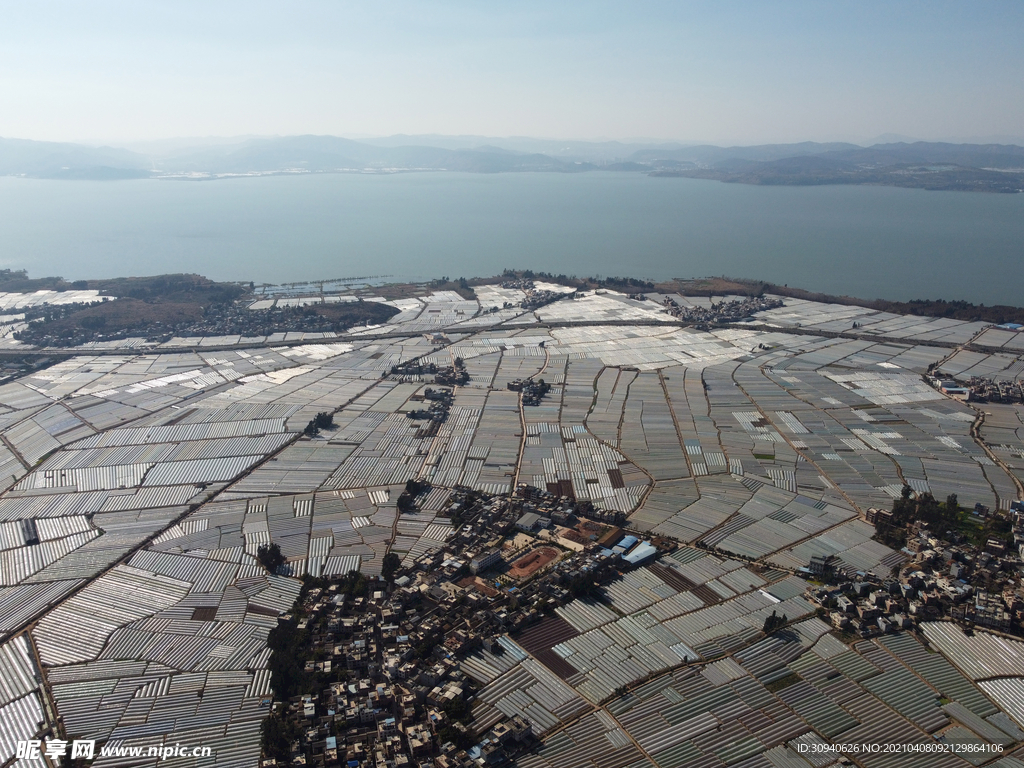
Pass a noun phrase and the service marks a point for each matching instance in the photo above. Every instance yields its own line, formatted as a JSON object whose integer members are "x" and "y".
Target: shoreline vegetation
{"x": 164, "y": 306}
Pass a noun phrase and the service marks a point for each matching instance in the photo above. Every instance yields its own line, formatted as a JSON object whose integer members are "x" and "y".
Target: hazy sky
{"x": 724, "y": 72}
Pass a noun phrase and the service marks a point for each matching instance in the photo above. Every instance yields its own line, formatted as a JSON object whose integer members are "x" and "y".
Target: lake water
{"x": 862, "y": 241}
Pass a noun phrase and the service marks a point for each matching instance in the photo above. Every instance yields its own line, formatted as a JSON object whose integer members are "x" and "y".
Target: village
{"x": 385, "y": 655}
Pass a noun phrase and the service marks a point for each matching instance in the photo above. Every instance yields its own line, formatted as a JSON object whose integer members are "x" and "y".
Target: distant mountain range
{"x": 921, "y": 165}
{"x": 928, "y": 165}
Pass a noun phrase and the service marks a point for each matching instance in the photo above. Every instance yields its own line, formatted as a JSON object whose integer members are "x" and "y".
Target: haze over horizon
{"x": 164, "y": 144}
{"x": 743, "y": 73}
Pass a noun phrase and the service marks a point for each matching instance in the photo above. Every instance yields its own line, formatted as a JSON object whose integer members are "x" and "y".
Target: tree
{"x": 390, "y": 566}
{"x": 287, "y": 659}
{"x": 277, "y": 737}
{"x": 951, "y": 510}
{"x": 323, "y": 420}
{"x": 354, "y": 584}
{"x": 416, "y": 487}
{"x": 581, "y": 585}
{"x": 456, "y": 709}
{"x": 270, "y": 557}
{"x": 908, "y": 508}
{"x": 457, "y": 737}
{"x": 773, "y": 622}
{"x": 310, "y": 583}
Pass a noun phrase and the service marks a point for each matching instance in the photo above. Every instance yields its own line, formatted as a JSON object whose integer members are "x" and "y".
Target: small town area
{"x": 382, "y": 658}
{"x": 390, "y": 665}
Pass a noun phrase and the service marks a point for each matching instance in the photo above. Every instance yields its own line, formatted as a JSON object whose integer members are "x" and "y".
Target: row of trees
{"x": 354, "y": 584}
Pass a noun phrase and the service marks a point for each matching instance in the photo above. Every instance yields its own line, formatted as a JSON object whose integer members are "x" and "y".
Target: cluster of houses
{"x": 394, "y": 691}
{"x": 975, "y": 585}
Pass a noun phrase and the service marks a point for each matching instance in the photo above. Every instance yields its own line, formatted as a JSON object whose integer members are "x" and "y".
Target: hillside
{"x": 921, "y": 165}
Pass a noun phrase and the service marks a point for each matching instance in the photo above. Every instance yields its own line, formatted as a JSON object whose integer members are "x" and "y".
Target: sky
{"x": 722, "y": 72}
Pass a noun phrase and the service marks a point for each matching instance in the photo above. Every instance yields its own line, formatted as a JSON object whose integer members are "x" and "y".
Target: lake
{"x": 870, "y": 242}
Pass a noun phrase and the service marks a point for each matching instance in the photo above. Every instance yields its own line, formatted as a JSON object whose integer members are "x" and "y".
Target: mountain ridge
{"x": 928, "y": 165}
